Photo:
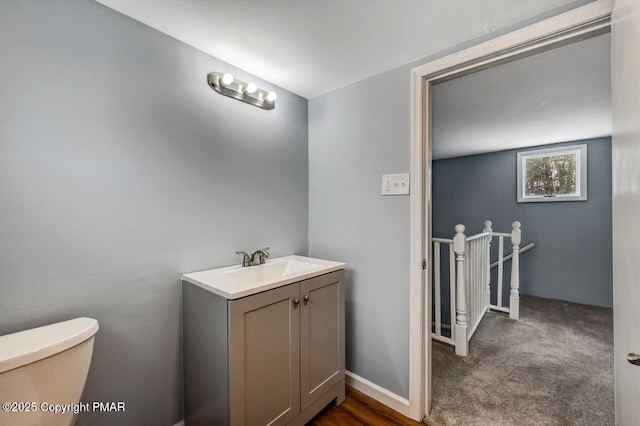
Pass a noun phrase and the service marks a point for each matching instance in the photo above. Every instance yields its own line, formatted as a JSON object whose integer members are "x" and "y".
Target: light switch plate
{"x": 395, "y": 184}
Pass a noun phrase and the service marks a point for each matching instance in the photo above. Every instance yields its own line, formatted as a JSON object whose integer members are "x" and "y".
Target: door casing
{"x": 581, "y": 23}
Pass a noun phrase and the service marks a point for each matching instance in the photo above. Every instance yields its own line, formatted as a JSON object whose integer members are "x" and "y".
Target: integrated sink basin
{"x": 271, "y": 271}
{"x": 233, "y": 282}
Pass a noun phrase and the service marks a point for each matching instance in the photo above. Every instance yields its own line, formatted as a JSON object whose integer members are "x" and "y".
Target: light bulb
{"x": 251, "y": 88}
{"x": 227, "y": 79}
{"x": 272, "y": 96}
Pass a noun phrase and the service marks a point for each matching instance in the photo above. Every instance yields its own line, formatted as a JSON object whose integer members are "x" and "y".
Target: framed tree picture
{"x": 552, "y": 174}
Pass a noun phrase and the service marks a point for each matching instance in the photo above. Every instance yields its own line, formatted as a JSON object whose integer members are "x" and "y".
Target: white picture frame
{"x": 580, "y": 186}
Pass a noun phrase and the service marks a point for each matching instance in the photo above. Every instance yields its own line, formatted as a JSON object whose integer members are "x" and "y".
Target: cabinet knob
{"x": 296, "y": 301}
{"x": 306, "y": 299}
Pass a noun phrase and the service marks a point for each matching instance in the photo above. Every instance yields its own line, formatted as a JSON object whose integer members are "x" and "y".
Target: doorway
{"x": 488, "y": 127}
{"x": 585, "y": 22}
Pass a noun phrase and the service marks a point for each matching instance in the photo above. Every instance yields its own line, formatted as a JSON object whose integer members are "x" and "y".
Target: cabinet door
{"x": 321, "y": 335}
{"x": 264, "y": 357}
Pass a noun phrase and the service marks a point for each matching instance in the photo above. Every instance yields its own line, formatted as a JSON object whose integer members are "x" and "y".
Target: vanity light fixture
{"x": 245, "y": 92}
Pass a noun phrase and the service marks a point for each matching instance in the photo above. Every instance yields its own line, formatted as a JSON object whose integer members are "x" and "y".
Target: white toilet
{"x": 46, "y": 366}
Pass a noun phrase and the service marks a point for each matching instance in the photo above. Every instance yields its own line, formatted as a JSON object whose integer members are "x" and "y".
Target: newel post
{"x": 514, "y": 298}
{"x": 459, "y": 243}
{"x": 487, "y": 228}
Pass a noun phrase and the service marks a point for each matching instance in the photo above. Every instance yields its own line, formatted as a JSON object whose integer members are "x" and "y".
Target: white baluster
{"x": 459, "y": 242}
{"x": 478, "y": 284}
{"x": 436, "y": 288}
{"x": 452, "y": 291}
{"x": 514, "y": 299}
{"x": 500, "y": 269}
{"x": 468, "y": 283}
{"x": 487, "y": 228}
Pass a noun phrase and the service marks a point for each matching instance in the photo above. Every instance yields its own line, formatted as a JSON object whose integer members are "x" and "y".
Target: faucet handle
{"x": 246, "y": 261}
{"x": 264, "y": 251}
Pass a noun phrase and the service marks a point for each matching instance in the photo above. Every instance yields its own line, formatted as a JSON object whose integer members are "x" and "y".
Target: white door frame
{"x": 580, "y": 23}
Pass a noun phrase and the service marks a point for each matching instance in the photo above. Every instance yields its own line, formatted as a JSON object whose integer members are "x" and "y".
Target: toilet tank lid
{"x": 24, "y": 347}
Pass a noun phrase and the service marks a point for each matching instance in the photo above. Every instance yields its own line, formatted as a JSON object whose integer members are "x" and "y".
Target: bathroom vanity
{"x": 263, "y": 344}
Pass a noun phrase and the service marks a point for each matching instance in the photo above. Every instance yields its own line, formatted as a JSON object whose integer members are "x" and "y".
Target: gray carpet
{"x": 552, "y": 367}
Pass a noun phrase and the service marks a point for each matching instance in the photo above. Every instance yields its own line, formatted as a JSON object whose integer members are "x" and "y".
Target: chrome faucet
{"x": 257, "y": 258}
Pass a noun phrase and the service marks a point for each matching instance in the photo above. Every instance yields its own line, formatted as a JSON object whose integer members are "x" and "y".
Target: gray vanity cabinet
{"x": 264, "y": 353}
{"x": 281, "y": 352}
{"x": 321, "y": 336}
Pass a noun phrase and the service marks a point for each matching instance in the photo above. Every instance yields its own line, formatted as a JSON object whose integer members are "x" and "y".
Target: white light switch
{"x": 395, "y": 184}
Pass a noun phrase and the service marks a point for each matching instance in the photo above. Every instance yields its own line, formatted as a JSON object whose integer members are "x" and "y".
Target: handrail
{"x": 475, "y": 237}
{"x": 501, "y": 234}
{"x": 442, "y": 240}
{"x": 510, "y": 255}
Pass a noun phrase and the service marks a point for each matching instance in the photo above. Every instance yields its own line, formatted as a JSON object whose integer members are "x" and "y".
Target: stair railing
{"x": 514, "y": 296}
{"x": 470, "y": 281}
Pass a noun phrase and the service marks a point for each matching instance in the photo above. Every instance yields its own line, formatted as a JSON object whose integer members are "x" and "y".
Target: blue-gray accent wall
{"x": 121, "y": 170}
{"x": 572, "y": 259}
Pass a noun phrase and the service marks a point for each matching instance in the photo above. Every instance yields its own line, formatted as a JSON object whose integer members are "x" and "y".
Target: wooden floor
{"x": 359, "y": 409}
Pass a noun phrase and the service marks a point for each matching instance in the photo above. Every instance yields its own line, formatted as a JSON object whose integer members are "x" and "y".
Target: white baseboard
{"x": 180, "y": 423}
{"x": 380, "y": 394}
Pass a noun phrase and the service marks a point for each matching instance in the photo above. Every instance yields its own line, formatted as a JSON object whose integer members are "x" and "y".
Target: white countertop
{"x": 233, "y": 282}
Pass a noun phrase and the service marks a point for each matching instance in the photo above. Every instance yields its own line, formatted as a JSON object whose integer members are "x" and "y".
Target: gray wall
{"x": 121, "y": 169}
{"x": 572, "y": 259}
{"x": 353, "y": 140}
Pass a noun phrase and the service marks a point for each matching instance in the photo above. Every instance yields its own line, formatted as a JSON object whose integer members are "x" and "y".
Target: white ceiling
{"x": 556, "y": 96}
{"x": 313, "y": 47}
